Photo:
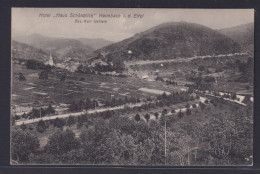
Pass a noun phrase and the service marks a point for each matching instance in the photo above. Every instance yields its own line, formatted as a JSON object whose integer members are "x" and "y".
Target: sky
{"x": 26, "y": 21}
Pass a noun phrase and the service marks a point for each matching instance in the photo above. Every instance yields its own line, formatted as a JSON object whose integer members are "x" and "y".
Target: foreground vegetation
{"x": 219, "y": 134}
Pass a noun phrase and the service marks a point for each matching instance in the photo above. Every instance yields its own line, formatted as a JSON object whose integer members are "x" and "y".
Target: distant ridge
{"x": 242, "y": 34}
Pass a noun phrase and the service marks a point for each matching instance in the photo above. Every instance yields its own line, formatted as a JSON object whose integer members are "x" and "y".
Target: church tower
{"x": 51, "y": 60}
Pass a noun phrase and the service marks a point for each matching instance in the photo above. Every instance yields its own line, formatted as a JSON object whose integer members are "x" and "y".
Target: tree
{"x": 180, "y": 114}
{"x": 41, "y": 126}
{"x": 61, "y": 142}
{"x": 187, "y": 105}
{"x": 50, "y": 110}
{"x": 202, "y": 106}
{"x": 206, "y": 101}
{"x": 246, "y": 99}
{"x": 233, "y": 96}
{"x": 137, "y": 117}
{"x": 188, "y": 111}
{"x": 59, "y": 123}
{"x": 23, "y": 127}
{"x": 156, "y": 114}
{"x": 73, "y": 106}
{"x": 173, "y": 111}
{"x": 147, "y": 117}
{"x": 70, "y": 121}
{"x": 34, "y": 113}
{"x": 22, "y": 145}
{"x": 126, "y": 100}
{"x": 164, "y": 112}
{"x": 194, "y": 106}
{"x": 21, "y": 77}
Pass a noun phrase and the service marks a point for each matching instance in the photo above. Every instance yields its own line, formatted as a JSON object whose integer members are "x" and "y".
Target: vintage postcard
{"x": 132, "y": 87}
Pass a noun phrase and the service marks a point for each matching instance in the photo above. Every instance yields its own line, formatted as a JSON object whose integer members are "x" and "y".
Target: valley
{"x": 178, "y": 94}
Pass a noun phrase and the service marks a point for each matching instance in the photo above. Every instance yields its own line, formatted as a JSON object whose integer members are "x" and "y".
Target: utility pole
{"x": 165, "y": 142}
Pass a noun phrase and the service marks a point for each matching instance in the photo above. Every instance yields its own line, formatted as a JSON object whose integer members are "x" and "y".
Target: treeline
{"x": 174, "y": 98}
{"x": 37, "y": 113}
{"x": 77, "y": 106}
{"x": 37, "y": 65}
{"x": 92, "y": 104}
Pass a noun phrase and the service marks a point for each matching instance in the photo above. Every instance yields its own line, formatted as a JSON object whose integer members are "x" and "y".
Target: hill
{"x": 169, "y": 41}
{"x": 24, "y": 51}
{"x": 242, "y": 34}
{"x": 60, "y": 47}
{"x": 75, "y": 48}
{"x": 95, "y": 43}
{"x": 67, "y": 48}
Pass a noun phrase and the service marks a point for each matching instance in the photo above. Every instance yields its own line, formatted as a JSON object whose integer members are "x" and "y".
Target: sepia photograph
{"x": 132, "y": 86}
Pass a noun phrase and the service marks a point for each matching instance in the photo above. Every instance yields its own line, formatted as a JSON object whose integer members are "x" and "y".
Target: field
{"x": 35, "y": 92}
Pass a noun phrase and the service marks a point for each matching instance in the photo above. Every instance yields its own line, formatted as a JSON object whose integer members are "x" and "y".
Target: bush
{"x": 159, "y": 79}
{"x": 21, "y": 77}
{"x": 82, "y": 79}
{"x": 43, "y": 75}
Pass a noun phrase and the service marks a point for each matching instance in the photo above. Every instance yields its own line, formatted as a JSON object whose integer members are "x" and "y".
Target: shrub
{"x": 21, "y": 77}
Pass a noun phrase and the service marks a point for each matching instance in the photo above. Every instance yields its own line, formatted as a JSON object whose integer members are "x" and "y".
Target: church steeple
{"x": 50, "y": 60}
